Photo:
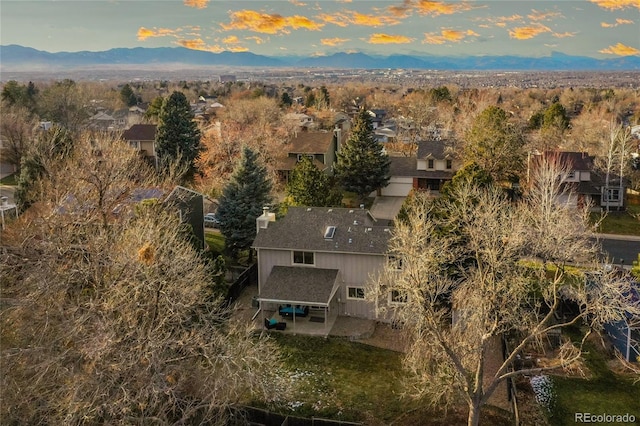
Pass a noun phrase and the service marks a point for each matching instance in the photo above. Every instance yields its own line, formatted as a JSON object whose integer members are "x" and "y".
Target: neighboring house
{"x": 6, "y": 168}
{"x": 321, "y": 147}
{"x": 190, "y": 208}
{"x": 377, "y": 117}
{"x": 301, "y": 121}
{"x": 583, "y": 185}
{"x": 319, "y": 259}
{"x": 142, "y": 137}
{"x": 433, "y": 166}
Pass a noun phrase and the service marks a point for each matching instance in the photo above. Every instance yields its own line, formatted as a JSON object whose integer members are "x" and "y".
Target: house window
{"x": 449, "y": 164}
{"x": 134, "y": 144}
{"x": 397, "y": 297}
{"x": 303, "y": 258}
{"x": 571, "y": 174}
{"x": 355, "y": 293}
{"x": 613, "y": 195}
{"x": 430, "y": 163}
{"x": 395, "y": 262}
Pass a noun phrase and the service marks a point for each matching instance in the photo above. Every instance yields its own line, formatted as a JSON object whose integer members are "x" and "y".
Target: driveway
{"x": 386, "y": 208}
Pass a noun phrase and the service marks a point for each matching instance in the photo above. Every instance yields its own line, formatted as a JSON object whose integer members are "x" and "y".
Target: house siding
{"x": 355, "y": 270}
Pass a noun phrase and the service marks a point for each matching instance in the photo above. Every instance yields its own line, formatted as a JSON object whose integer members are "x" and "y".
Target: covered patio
{"x": 306, "y": 298}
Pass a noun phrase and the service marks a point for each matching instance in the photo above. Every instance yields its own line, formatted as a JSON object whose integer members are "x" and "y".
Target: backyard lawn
{"x": 349, "y": 381}
{"x": 626, "y": 222}
{"x": 605, "y": 392}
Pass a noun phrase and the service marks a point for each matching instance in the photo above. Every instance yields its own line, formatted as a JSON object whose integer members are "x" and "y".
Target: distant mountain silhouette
{"x": 20, "y": 58}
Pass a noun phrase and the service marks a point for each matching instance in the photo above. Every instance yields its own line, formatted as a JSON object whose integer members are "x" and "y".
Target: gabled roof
{"x": 433, "y": 148}
{"x": 580, "y": 161}
{"x": 310, "y": 143}
{"x": 303, "y": 228}
{"x": 140, "y": 132}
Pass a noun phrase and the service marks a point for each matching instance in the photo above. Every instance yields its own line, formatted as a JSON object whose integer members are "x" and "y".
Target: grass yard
{"x": 11, "y": 180}
{"x": 626, "y": 222}
{"x": 349, "y": 381}
{"x": 603, "y": 393}
{"x": 215, "y": 240}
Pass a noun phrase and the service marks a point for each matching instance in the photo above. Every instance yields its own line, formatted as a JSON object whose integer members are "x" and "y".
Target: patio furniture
{"x": 273, "y": 323}
{"x": 289, "y": 311}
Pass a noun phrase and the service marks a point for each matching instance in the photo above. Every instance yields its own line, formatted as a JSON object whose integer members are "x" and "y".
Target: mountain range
{"x": 19, "y": 58}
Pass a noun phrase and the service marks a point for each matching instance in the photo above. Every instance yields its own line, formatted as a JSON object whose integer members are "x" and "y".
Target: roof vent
{"x": 308, "y": 209}
{"x": 350, "y": 211}
{"x": 361, "y": 206}
{"x": 350, "y": 240}
{"x": 329, "y": 211}
{"x": 355, "y": 222}
{"x": 329, "y": 232}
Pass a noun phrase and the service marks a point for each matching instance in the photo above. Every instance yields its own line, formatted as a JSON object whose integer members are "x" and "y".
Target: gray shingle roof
{"x": 310, "y": 143}
{"x": 140, "y": 132}
{"x": 284, "y": 284}
{"x": 435, "y": 148}
{"x": 407, "y": 167}
{"x": 303, "y": 228}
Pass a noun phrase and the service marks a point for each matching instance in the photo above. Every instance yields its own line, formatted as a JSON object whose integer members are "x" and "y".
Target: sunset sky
{"x": 596, "y": 28}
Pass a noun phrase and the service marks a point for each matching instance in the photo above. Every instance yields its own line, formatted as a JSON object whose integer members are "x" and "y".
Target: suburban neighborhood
{"x": 216, "y": 241}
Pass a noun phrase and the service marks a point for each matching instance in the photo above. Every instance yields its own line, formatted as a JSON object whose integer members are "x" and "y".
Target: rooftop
{"x": 140, "y": 132}
{"x": 304, "y": 228}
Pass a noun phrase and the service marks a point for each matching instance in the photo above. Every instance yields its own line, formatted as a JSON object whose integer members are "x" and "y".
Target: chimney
{"x": 262, "y": 221}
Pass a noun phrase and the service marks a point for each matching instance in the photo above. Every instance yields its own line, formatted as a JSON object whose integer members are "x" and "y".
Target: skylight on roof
{"x": 329, "y": 232}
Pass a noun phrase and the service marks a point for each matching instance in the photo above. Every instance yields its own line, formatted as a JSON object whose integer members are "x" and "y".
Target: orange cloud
{"x": 617, "y": 4}
{"x": 269, "y": 24}
{"x": 448, "y": 35}
{"x": 620, "y": 50}
{"x": 237, "y": 49}
{"x": 380, "y": 38}
{"x": 297, "y": 3}
{"x": 543, "y": 16}
{"x": 333, "y": 41}
{"x": 436, "y": 8}
{"x": 198, "y": 4}
{"x": 256, "y": 39}
{"x": 619, "y": 21}
{"x": 231, "y": 40}
{"x": 145, "y": 33}
{"x": 195, "y": 44}
{"x": 525, "y": 33}
{"x": 564, "y": 35}
{"x": 345, "y": 19}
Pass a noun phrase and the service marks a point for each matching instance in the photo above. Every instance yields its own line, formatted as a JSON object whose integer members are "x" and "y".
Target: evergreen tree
{"x": 242, "y": 201}
{"x": 309, "y": 186}
{"x": 362, "y": 165}
{"x": 51, "y": 147}
{"x": 178, "y": 136}
{"x": 495, "y": 144}
{"x": 286, "y": 100}
{"x": 128, "y": 96}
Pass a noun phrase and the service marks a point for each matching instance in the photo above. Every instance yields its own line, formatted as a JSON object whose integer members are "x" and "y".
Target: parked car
{"x": 211, "y": 221}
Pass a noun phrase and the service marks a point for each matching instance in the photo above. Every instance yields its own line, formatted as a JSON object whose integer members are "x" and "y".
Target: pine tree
{"x": 242, "y": 201}
{"x": 309, "y": 186}
{"x": 128, "y": 96}
{"x": 177, "y": 136}
{"x": 362, "y": 165}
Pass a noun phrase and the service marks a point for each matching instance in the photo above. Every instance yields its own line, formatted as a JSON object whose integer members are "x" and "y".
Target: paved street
{"x": 621, "y": 248}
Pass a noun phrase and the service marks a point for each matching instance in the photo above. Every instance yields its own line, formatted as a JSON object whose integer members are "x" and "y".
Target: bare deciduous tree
{"x": 488, "y": 270}
{"x": 110, "y": 315}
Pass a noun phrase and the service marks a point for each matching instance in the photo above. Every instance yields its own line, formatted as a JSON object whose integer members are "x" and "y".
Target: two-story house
{"x": 142, "y": 137}
{"x": 318, "y": 259}
{"x": 321, "y": 147}
{"x": 434, "y": 165}
{"x": 582, "y": 183}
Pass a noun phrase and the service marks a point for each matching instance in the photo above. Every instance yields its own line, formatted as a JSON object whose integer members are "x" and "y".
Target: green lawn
{"x": 626, "y": 222}
{"x": 215, "y": 240}
{"x": 603, "y": 393}
{"x": 10, "y": 180}
{"x": 351, "y": 381}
